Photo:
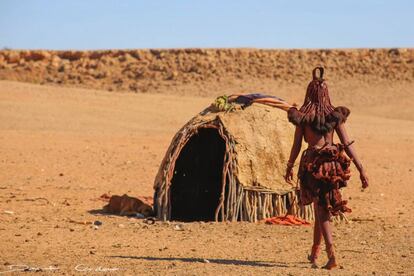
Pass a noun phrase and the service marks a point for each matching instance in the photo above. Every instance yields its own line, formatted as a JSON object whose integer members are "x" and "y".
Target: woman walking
{"x": 324, "y": 167}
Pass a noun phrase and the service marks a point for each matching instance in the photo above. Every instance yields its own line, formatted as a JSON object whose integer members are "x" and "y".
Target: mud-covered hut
{"x": 228, "y": 166}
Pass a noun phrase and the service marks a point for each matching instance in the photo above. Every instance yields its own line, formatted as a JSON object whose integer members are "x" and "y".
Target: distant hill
{"x": 208, "y": 69}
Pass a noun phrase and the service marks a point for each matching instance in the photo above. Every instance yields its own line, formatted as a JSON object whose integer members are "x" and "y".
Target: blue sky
{"x": 93, "y": 24}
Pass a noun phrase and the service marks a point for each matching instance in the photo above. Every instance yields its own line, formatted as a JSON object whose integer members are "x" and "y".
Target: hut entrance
{"x": 196, "y": 184}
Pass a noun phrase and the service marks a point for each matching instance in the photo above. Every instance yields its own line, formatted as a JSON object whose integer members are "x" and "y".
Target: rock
{"x": 8, "y": 212}
{"x": 66, "y": 202}
{"x": 64, "y": 68}
{"x": 121, "y": 226}
{"x": 101, "y": 75}
{"x": 36, "y": 55}
{"x": 394, "y": 52}
{"x": 12, "y": 57}
{"x": 97, "y": 223}
{"x": 71, "y": 55}
{"x": 126, "y": 58}
{"x": 96, "y": 55}
{"x": 71, "y": 229}
{"x": 206, "y": 261}
{"x": 139, "y": 215}
{"x": 178, "y": 227}
{"x": 172, "y": 75}
{"x": 134, "y": 87}
{"x": 55, "y": 62}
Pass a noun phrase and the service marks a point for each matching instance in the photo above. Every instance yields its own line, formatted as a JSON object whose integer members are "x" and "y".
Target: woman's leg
{"x": 317, "y": 236}
{"x": 326, "y": 229}
{"x": 325, "y": 224}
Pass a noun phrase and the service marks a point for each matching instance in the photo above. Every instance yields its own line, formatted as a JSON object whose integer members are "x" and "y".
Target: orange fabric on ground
{"x": 286, "y": 220}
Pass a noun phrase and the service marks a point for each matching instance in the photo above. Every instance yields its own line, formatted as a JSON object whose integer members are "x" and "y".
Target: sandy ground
{"x": 61, "y": 148}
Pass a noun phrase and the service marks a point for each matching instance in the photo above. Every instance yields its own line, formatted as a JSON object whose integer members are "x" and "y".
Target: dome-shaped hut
{"x": 228, "y": 165}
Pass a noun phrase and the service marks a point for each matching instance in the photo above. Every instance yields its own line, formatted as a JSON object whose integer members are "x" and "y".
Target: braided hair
{"x": 317, "y": 110}
{"x": 317, "y": 104}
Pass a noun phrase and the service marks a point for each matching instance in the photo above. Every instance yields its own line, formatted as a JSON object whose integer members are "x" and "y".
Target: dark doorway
{"x": 196, "y": 184}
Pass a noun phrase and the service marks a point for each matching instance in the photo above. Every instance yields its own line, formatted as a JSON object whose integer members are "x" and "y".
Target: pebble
{"x": 9, "y": 212}
{"x": 178, "y": 227}
{"x": 97, "y": 222}
{"x": 206, "y": 261}
{"x": 95, "y": 227}
{"x": 66, "y": 202}
{"x": 140, "y": 216}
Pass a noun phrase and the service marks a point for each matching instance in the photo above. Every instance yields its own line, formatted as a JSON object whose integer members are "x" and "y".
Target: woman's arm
{"x": 350, "y": 151}
{"x": 297, "y": 144}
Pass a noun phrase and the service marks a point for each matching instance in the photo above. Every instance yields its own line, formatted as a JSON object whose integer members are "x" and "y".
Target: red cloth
{"x": 287, "y": 220}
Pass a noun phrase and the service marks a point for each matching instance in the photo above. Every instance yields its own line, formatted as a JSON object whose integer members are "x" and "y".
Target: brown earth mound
{"x": 207, "y": 69}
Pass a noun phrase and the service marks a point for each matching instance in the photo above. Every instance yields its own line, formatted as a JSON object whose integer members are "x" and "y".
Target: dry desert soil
{"x": 62, "y": 146}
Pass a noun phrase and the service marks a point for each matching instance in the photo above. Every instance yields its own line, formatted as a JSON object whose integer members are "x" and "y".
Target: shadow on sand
{"x": 101, "y": 212}
{"x": 97, "y": 212}
{"x": 199, "y": 260}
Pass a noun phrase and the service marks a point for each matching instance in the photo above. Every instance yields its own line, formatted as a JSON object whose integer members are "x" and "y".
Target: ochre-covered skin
{"x": 324, "y": 167}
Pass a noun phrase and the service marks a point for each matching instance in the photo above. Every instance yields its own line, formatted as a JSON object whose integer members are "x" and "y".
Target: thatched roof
{"x": 263, "y": 139}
